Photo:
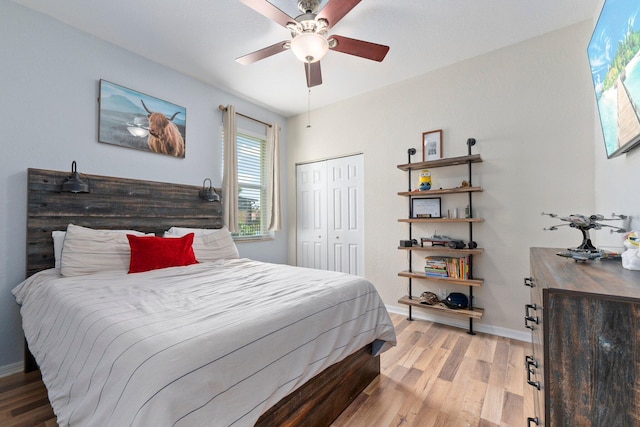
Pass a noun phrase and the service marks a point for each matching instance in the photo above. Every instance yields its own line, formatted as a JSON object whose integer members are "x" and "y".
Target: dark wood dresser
{"x": 584, "y": 367}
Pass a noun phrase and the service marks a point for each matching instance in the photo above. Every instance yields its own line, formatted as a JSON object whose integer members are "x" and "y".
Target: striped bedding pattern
{"x": 215, "y": 343}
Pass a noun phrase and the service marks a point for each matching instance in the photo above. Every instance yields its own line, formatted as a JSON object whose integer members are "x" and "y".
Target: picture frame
{"x": 132, "y": 119}
{"x": 431, "y": 145}
{"x": 426, "y": 207}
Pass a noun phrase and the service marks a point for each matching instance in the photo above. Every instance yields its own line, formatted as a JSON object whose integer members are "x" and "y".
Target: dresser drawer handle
{"x": 531, "y": 363}
{"x": 529, "y": 281}
{"x": 529, "y": 318}
{"x": 533, "y": 420}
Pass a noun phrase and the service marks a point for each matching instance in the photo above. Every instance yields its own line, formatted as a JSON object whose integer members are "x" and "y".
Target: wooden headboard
{"x": 113, "y": 203}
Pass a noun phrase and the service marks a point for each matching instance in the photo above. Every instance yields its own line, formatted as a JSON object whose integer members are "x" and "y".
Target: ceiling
{"x": 203, "y": 37}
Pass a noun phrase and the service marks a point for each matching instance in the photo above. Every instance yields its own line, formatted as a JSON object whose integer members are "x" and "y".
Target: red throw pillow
{"x": 152, "y": 253}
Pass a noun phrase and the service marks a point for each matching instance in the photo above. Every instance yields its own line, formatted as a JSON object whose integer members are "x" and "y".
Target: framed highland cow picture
{"x": 135, "y": 120}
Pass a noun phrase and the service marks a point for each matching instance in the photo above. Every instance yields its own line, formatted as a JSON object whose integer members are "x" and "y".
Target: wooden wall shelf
{"x": 443, "y": 250}
{"x": 417, "y": 220}
{"x": 474, "y": 313}
{"x": 420, "y": 275}
{"x": 433, "y": 192}
{"x": 451, "y": 161}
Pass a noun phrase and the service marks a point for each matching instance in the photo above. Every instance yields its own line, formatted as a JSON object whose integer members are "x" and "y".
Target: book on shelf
{"x": 436, "y": 266}
{"x": 447, "y": 266}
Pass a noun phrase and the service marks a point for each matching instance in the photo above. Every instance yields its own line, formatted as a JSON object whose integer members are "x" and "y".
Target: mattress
{"x": 215, "y": 343}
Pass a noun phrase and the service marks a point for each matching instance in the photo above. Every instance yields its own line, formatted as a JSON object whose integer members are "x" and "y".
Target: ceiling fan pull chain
{"x": 309, "y": 109}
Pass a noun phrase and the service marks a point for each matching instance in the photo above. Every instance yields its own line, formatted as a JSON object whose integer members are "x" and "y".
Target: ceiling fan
{"x": 309, "y": 35}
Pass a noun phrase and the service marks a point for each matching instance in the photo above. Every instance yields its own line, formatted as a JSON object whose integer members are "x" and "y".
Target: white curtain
{"x": 274, "y": 218}
{"x": 230, "y": 172}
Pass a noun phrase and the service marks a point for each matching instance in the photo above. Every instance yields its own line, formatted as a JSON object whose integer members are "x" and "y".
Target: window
{"x": 252, "y": 186}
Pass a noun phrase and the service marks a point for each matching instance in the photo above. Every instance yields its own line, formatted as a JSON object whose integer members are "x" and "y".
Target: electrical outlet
{"x": 442, "y": 294}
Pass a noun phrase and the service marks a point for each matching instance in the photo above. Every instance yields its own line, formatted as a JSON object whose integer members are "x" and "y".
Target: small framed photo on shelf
{"x": 425, "y": 208}
{"x": 432, "y": 145}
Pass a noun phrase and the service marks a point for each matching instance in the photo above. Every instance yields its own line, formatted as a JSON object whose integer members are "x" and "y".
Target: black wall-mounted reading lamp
{"x": 208, "y": 193}
{"x": 73, "y": 183}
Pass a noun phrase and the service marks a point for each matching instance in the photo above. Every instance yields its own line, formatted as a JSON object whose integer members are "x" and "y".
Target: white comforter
{"x": 212, "y": 344}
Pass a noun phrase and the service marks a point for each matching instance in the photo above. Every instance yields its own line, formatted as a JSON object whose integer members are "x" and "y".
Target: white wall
{"x": 529, "y": 106}
{"x": 616, "y": 186}
{"x": 49, "y": 85}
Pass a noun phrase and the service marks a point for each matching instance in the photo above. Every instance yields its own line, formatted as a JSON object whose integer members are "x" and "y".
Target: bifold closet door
{"x": 330, "y": 214}
{"x": 345, "y": 221}
{"x": 311, "y": 208}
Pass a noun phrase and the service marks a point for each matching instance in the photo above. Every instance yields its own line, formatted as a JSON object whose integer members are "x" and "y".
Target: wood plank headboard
{"x": 113, "y": 203}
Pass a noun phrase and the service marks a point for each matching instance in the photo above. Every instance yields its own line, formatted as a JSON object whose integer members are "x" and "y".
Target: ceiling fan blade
{"x": 263, "y": 53}
{"x": 314, "y": 73}
{"x": 335, "y": 10}
{"x": 368, "y": 50}
{"x": 270, "y": 11}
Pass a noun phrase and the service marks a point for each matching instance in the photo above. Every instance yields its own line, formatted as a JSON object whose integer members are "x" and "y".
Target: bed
{"x": 226, "y": 341}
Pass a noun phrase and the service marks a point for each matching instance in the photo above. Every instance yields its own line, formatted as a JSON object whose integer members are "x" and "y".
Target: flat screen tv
{"x": 615, "y": 68}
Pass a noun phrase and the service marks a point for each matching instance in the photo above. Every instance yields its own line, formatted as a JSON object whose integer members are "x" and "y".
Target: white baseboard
{"x": 464, "y": 324}
{"x": 11, "y": 369}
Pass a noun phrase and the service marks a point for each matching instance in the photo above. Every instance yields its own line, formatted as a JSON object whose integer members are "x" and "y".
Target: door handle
{"x": 533, "y": 420}
{"x": 528, "y": 281}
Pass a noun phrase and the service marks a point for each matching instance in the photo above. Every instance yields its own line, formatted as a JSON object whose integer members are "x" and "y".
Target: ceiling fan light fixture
{"x": 309, "y": 47}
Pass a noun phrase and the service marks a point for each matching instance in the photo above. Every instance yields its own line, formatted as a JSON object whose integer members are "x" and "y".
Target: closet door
{"x": 311, "y": 207}
{"x": 330, "y": 214}
{"x": 345, "y": 221}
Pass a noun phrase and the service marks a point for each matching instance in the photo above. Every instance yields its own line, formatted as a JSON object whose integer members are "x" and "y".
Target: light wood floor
{"x": 441, "y": 376}
{"x": 436, "y": 376}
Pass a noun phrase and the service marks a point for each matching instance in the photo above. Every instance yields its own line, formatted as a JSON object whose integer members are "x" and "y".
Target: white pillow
{"x": 87, "y": 251}
{"x": 208, "y": 244}
{"x": 181, "y": 231}
{"x": 58, "y": 241}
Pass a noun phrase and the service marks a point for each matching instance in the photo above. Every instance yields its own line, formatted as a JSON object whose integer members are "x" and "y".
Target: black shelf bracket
{"x": 470, "y": 143}
{"x": 410, "y": 152}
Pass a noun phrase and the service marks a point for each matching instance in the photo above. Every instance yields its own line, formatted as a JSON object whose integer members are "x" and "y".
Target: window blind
{"x": 252, "y": 185}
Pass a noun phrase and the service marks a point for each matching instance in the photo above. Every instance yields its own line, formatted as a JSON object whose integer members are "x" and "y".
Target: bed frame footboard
{"x": 322, "y": 399}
